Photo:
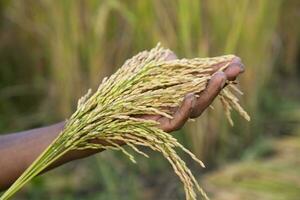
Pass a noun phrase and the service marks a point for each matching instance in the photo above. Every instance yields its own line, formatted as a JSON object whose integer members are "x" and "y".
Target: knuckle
{"x": 196, "y": 114}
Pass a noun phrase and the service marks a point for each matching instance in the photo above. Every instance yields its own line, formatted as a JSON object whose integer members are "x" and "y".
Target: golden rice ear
{"x": 84, "y": 98}
{"x": 134, "y": 64}
{"x": 156, "y": 54}
{"x": 145, "y": 85}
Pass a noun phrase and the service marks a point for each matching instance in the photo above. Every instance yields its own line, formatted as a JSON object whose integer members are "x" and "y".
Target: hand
{"x": 192, "y": 106}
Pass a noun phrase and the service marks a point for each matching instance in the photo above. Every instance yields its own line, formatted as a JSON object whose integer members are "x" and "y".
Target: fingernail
{"x": 236, "y": 59}
{"x": 218, "y": 73}
{"x": 238, "y": 62}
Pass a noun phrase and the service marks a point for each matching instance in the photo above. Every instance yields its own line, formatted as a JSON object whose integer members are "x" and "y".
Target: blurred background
{"x": 51, "y": 52}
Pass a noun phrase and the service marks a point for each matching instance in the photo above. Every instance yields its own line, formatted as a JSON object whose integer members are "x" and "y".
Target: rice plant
{"x": 146, "y": 84}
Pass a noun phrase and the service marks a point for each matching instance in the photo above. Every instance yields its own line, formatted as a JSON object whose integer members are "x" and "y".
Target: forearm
{"x": 19, "y": 150}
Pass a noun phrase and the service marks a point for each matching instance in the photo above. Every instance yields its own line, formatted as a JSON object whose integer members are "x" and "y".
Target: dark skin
{"x": 19, "y": 150}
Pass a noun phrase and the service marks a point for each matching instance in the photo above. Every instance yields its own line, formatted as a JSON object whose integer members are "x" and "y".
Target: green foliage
{"x": 274, "y": 178}
{"x": 52, "y": 51}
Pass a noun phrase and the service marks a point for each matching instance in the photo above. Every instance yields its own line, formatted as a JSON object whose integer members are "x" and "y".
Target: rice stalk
{"x": 146, "y": 84}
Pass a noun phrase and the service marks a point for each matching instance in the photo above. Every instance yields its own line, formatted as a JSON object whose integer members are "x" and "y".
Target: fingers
{"x": 207, "y": 96}
{"x": 193, "y": 107}
{"x": 233, "y": 70}
{"x": 180, "y": 117}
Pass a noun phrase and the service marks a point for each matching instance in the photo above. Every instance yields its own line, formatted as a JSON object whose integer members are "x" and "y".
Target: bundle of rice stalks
{"x": 147, "y": 84}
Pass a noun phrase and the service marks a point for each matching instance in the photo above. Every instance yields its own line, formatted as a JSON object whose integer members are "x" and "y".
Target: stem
{"x": 42, "y": 162}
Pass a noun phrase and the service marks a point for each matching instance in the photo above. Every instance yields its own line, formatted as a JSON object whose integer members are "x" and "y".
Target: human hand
{"x": 192, "y": 106}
